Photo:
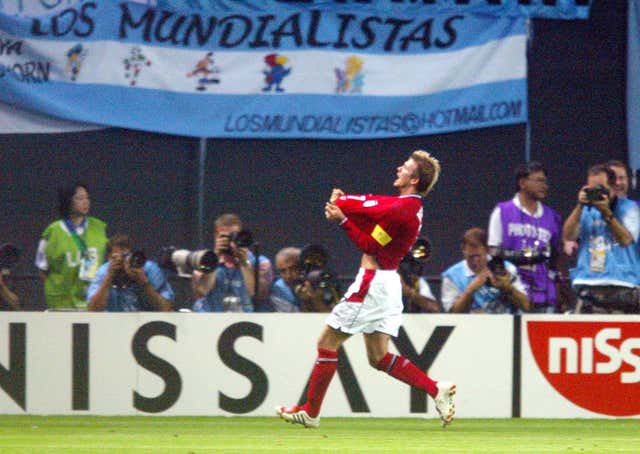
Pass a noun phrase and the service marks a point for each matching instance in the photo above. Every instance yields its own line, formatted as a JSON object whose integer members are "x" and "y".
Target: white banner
{"x": 233, "y": 364}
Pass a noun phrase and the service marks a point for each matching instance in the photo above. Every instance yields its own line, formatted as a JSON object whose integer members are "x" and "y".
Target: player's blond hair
{"x": 428, "y": 171}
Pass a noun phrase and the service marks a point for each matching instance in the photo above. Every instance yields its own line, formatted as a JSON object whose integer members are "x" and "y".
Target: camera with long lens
{"x": 313, "y": 262}
{"x": 184, "y": 262}
{"x": 528, "y": 255}
{"x": 412, "y": 264}
{"x": 9, "y": 256}
{"x": 596, "y": 193}
{"x": 241, "y": 239}
{"x": 313, "y": 265}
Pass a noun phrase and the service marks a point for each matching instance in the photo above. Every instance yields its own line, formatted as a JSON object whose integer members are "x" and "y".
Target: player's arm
{"x": 364, "y": 241}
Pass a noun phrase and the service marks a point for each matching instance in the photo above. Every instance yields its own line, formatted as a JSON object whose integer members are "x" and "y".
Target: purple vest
{"x": 521, "y": 231}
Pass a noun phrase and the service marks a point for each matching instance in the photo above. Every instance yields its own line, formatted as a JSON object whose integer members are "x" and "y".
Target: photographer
{"x": 283, "y": 297}
{"x": 528, "y": 232}
{"x": 231, "y": 287}
{"x": 9, "y": 301}
{"x": 606, "y": 227}
{"x": 316, "y": 288}
{"x": 480, "y": 283}
{"x": 416, "y": 293}
{"x": 128, "y": 282}
{"x": 9, "y": 256}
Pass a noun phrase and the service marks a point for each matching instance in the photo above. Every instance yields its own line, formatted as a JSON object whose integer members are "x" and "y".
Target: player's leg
{"x": 325, "y": 367}
{"x": 404, "y": 370}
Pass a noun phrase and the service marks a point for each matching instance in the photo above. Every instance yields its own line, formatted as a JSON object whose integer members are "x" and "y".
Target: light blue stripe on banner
{"x": 281, "y": 30}
{"x": 277, "y": 116}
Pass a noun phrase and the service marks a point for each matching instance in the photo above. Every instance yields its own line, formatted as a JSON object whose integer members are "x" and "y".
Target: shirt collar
{"x": 539, "y": 208}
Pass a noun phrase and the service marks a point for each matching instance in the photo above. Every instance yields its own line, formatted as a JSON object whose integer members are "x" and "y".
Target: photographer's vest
{"x": 601, "y": 259}
{"x": 487, "y": 298}
{"x": 63, "y": 287}
{"x": 522, "y": 231}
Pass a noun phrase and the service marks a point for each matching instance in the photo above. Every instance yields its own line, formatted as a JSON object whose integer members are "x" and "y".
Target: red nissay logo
{"x": 596, "y": 365}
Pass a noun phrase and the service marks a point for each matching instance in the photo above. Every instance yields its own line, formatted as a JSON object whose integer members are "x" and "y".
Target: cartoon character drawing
{"x": 134, "y": 63}
{"x": 350, "y": 79}
{"x": 75, "y": 58}
{"x": 276, "y": 72}
{"x": 204, "y": 69}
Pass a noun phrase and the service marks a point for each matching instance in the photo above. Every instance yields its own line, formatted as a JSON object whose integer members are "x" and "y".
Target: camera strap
{"x": 74, "y": 234}
{"x": 88, "y": 266}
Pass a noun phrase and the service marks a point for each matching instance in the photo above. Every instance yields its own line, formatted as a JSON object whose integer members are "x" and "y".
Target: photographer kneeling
{"x": 480, "y": 283}
{"x": 607, "y": 228}
{"x": 128, "y": 282}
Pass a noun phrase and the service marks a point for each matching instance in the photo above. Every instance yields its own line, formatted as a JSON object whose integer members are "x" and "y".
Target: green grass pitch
{"x": 158, "y": 434}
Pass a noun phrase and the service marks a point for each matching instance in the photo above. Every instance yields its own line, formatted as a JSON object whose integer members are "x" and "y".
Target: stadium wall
{"x": 231, "y": 364}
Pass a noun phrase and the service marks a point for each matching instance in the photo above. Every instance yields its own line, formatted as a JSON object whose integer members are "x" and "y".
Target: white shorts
{"x": 372, "y": 303}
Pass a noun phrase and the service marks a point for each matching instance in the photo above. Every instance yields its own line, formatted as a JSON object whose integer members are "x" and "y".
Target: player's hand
{"x": 335, "y": 195}
{"x": 333, "y": 213}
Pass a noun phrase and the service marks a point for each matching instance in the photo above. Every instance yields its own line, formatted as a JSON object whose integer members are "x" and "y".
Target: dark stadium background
{"x": 147, "y": 184}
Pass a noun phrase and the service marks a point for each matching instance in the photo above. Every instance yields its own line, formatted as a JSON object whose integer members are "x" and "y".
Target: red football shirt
{"x": 383, "y": 226}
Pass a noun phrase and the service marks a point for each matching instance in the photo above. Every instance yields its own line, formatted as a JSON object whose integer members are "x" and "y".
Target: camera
{"x": 9, "y": 255}
{"x": 136, "y": 259}
{"x": 184, "y": 262}
{"x": 313, "y": 263}
{"x": 413, "y": 262}
{"x": 243, "y": 239}
{"x": 496, "y": 265}
{"x": 596, "y": 193}
{"x": 526, "y": 256}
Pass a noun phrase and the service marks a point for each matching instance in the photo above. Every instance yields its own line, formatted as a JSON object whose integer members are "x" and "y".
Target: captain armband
{"x": 381, "y": 237}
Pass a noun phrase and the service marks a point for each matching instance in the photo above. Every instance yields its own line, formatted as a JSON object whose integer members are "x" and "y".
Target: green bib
{"x": 63, "y": 289}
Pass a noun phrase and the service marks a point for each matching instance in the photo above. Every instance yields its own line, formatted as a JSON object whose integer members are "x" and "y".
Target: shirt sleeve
{"x": 631, "y": 221}
{"x": 424, "y": 289}
{"x": 97, "y": 280}
{"x": 365, "y": 242}
{"x": 351, "y": 204}
{"x": 516, "y": 282}
{"x": 159, "y": 281}
{"x": 495, "y": 228}
{"x": 41, "y": 257}
{"x": 448, "y": 293}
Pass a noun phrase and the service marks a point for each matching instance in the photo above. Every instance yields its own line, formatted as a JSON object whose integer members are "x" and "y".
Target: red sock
{"x": 404, "y": 370}
{"x": 321, "y": 376}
